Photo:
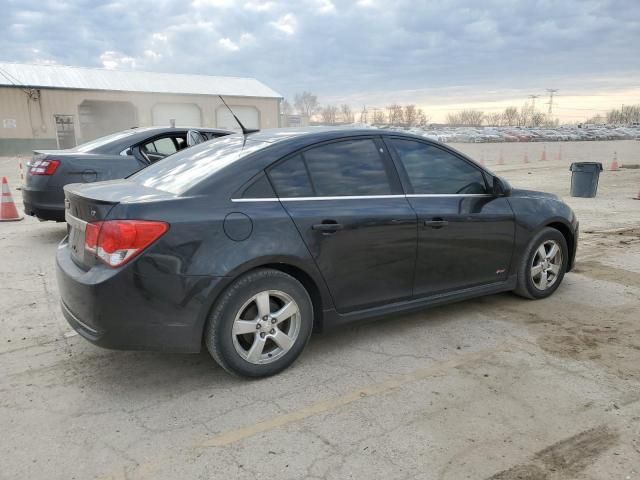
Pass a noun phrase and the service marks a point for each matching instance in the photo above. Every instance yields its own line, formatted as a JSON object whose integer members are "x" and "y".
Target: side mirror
{"x": 501, "y": 188}
{"x": 194, "y": 137}
{"x": 127, "y": 152}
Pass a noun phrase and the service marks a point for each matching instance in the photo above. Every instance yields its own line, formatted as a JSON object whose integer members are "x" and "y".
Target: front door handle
{"x": 328, "y": 226}
{"x": 436, "y": 223}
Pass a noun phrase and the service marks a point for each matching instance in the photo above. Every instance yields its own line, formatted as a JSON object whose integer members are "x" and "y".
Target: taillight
{"x": 116, "y": 242}
{"x": 43, "y": 167}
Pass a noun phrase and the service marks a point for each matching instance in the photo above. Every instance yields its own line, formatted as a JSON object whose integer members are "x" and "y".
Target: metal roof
{"x": 59, "y": 76}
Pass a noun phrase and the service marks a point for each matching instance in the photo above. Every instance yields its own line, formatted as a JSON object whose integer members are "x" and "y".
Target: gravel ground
{"x": 497, "y": 387}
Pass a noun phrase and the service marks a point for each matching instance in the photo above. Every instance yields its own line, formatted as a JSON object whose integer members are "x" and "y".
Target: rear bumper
{"x": 138, "y": 307}
{"x": 44, "y": 204}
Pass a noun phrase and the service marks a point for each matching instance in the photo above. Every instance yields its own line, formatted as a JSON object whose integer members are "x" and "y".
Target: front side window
{"x": 432, "y": 170}
{"x": 165, "y": 146}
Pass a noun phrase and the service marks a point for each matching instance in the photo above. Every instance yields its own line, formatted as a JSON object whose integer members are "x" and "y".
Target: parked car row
{"x": 523, "y": 134}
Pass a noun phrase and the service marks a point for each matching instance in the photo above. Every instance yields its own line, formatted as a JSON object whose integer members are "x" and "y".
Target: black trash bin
{"x": 584, "y": 178}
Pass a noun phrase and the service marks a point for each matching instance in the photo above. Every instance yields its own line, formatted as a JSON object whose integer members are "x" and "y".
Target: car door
{"x": 347, "y": 203}
{"x": 465, "y": 233}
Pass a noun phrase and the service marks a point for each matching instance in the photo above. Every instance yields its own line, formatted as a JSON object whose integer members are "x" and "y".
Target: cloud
{"x": 286, "y": 23}
{"x": 112, "y": 60}
{"x": 258, "y": 6}
{"x": 357, "y": 52}
{"x": 325, "y": 6}
{"x": 228, "y": 44}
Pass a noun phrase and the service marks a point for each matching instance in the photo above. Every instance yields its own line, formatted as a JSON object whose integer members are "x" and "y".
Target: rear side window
{"x": 351, "y": 167}
{"x": 346, "y": 168}
{"x": 432, "y": 170}
{"x": 290, "y": 178}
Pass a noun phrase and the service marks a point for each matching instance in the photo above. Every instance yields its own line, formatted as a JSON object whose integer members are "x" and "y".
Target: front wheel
{"x": 260, "y": 324}
{"x": 543, "y": 265}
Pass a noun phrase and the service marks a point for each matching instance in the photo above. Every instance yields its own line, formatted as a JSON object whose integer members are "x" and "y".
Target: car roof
{"x": 155, "y": 130}
{"x": 139, "y": 134}
{"x": 302, "y": 136}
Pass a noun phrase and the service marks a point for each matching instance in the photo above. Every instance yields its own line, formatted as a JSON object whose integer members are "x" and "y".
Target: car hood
{"x": 519, "y": 192}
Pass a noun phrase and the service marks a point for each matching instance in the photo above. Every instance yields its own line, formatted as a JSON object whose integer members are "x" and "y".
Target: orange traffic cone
{"x": 559, "y": 155}
{"x": 8, "y": 210}
{"x": 614, "y": 167}
{"x": 543, "y": 155}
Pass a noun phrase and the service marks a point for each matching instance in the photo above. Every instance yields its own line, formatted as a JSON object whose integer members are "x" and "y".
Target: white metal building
{"x": 53, "y": 106}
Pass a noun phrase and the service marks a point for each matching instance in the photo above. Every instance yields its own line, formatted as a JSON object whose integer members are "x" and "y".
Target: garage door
{"x": 248, "y": 116}
{"x": 185, "y": 114}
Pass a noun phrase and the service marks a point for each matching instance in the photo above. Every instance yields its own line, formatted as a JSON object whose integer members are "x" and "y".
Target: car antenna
{"x": 245, "y": 130}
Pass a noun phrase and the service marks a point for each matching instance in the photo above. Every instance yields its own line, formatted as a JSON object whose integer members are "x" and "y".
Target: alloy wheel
{"x": 266, "y": 327}
{"x": 546, "y": 264}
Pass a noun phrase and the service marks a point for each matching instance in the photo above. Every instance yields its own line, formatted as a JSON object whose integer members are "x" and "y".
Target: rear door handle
{"x": 436, "y": 223}
{"x": 328, "y": 226}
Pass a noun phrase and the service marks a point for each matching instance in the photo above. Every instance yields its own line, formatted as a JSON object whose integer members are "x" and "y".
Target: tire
{"x": 529, "y": 286}
{"x": 246, "y": 342}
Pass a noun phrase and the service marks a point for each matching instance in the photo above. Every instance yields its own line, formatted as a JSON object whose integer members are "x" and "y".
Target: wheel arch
{"x": 311, "y": 281}
{"x": 569, "y": 237}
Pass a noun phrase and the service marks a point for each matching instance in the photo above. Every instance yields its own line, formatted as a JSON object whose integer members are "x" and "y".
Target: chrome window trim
{"x": 75, "y": 222}
{"x": 420, "y": 195}
{"x": 359, "y": 197}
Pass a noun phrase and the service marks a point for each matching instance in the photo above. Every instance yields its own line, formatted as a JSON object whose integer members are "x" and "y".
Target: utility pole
{"x": 551, "y": 91}
{"x": 364, "y": 114}
{"x": 533, "y": 101}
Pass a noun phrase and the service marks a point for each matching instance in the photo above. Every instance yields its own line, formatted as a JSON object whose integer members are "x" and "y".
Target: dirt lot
{"x": 498, "y": 387}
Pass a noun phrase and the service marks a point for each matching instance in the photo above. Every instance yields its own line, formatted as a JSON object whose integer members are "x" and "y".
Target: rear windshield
{"x": 99, "y": 142}
{"x": 180, "y": 172}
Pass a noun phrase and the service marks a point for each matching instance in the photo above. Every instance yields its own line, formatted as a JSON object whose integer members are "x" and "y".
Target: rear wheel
{"x": 260, "y": 324}
{"x": 543, "y": 266}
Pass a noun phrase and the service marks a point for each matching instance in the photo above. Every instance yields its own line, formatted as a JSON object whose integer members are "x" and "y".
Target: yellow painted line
{"x": 242, "y": 433}
{"x": 148, "y": 469}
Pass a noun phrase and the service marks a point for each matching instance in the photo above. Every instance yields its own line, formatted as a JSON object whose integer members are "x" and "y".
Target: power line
{"x": 551, "y": 91}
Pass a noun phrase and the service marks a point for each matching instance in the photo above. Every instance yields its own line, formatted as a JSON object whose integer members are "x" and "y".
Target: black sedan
{"x": 249, "y": 243}
{"x": 107, "y": 158}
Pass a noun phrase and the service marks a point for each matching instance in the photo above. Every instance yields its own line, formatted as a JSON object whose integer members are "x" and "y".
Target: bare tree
{"x": 410, "y": 115}
{"x": 494, "y": 119}
{"x": 453, "y": 118}
{"x": 625, "y": 115}
{"x": 511, "y": 116}
{"x": 286, "y": 107}
{"x": 364, "y": 115}
{"x": 422, "y": 119}
{"x": 396, "y": 114}
{"x": 329, "y": 114}
{"x": 596, "y": 119}
{"x": 306, "y": 103}
{"x": 347, "y": 115}
{"x": 379, "y": 117}
{"x": 538, "y": 119}
{"x": 466, "y": 118}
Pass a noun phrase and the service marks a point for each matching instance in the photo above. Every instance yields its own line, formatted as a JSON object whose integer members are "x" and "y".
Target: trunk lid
{"x": 87, "y": 203}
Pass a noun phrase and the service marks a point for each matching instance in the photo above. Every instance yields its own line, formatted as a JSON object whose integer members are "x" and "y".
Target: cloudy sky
{"x": 443, "y": 55}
